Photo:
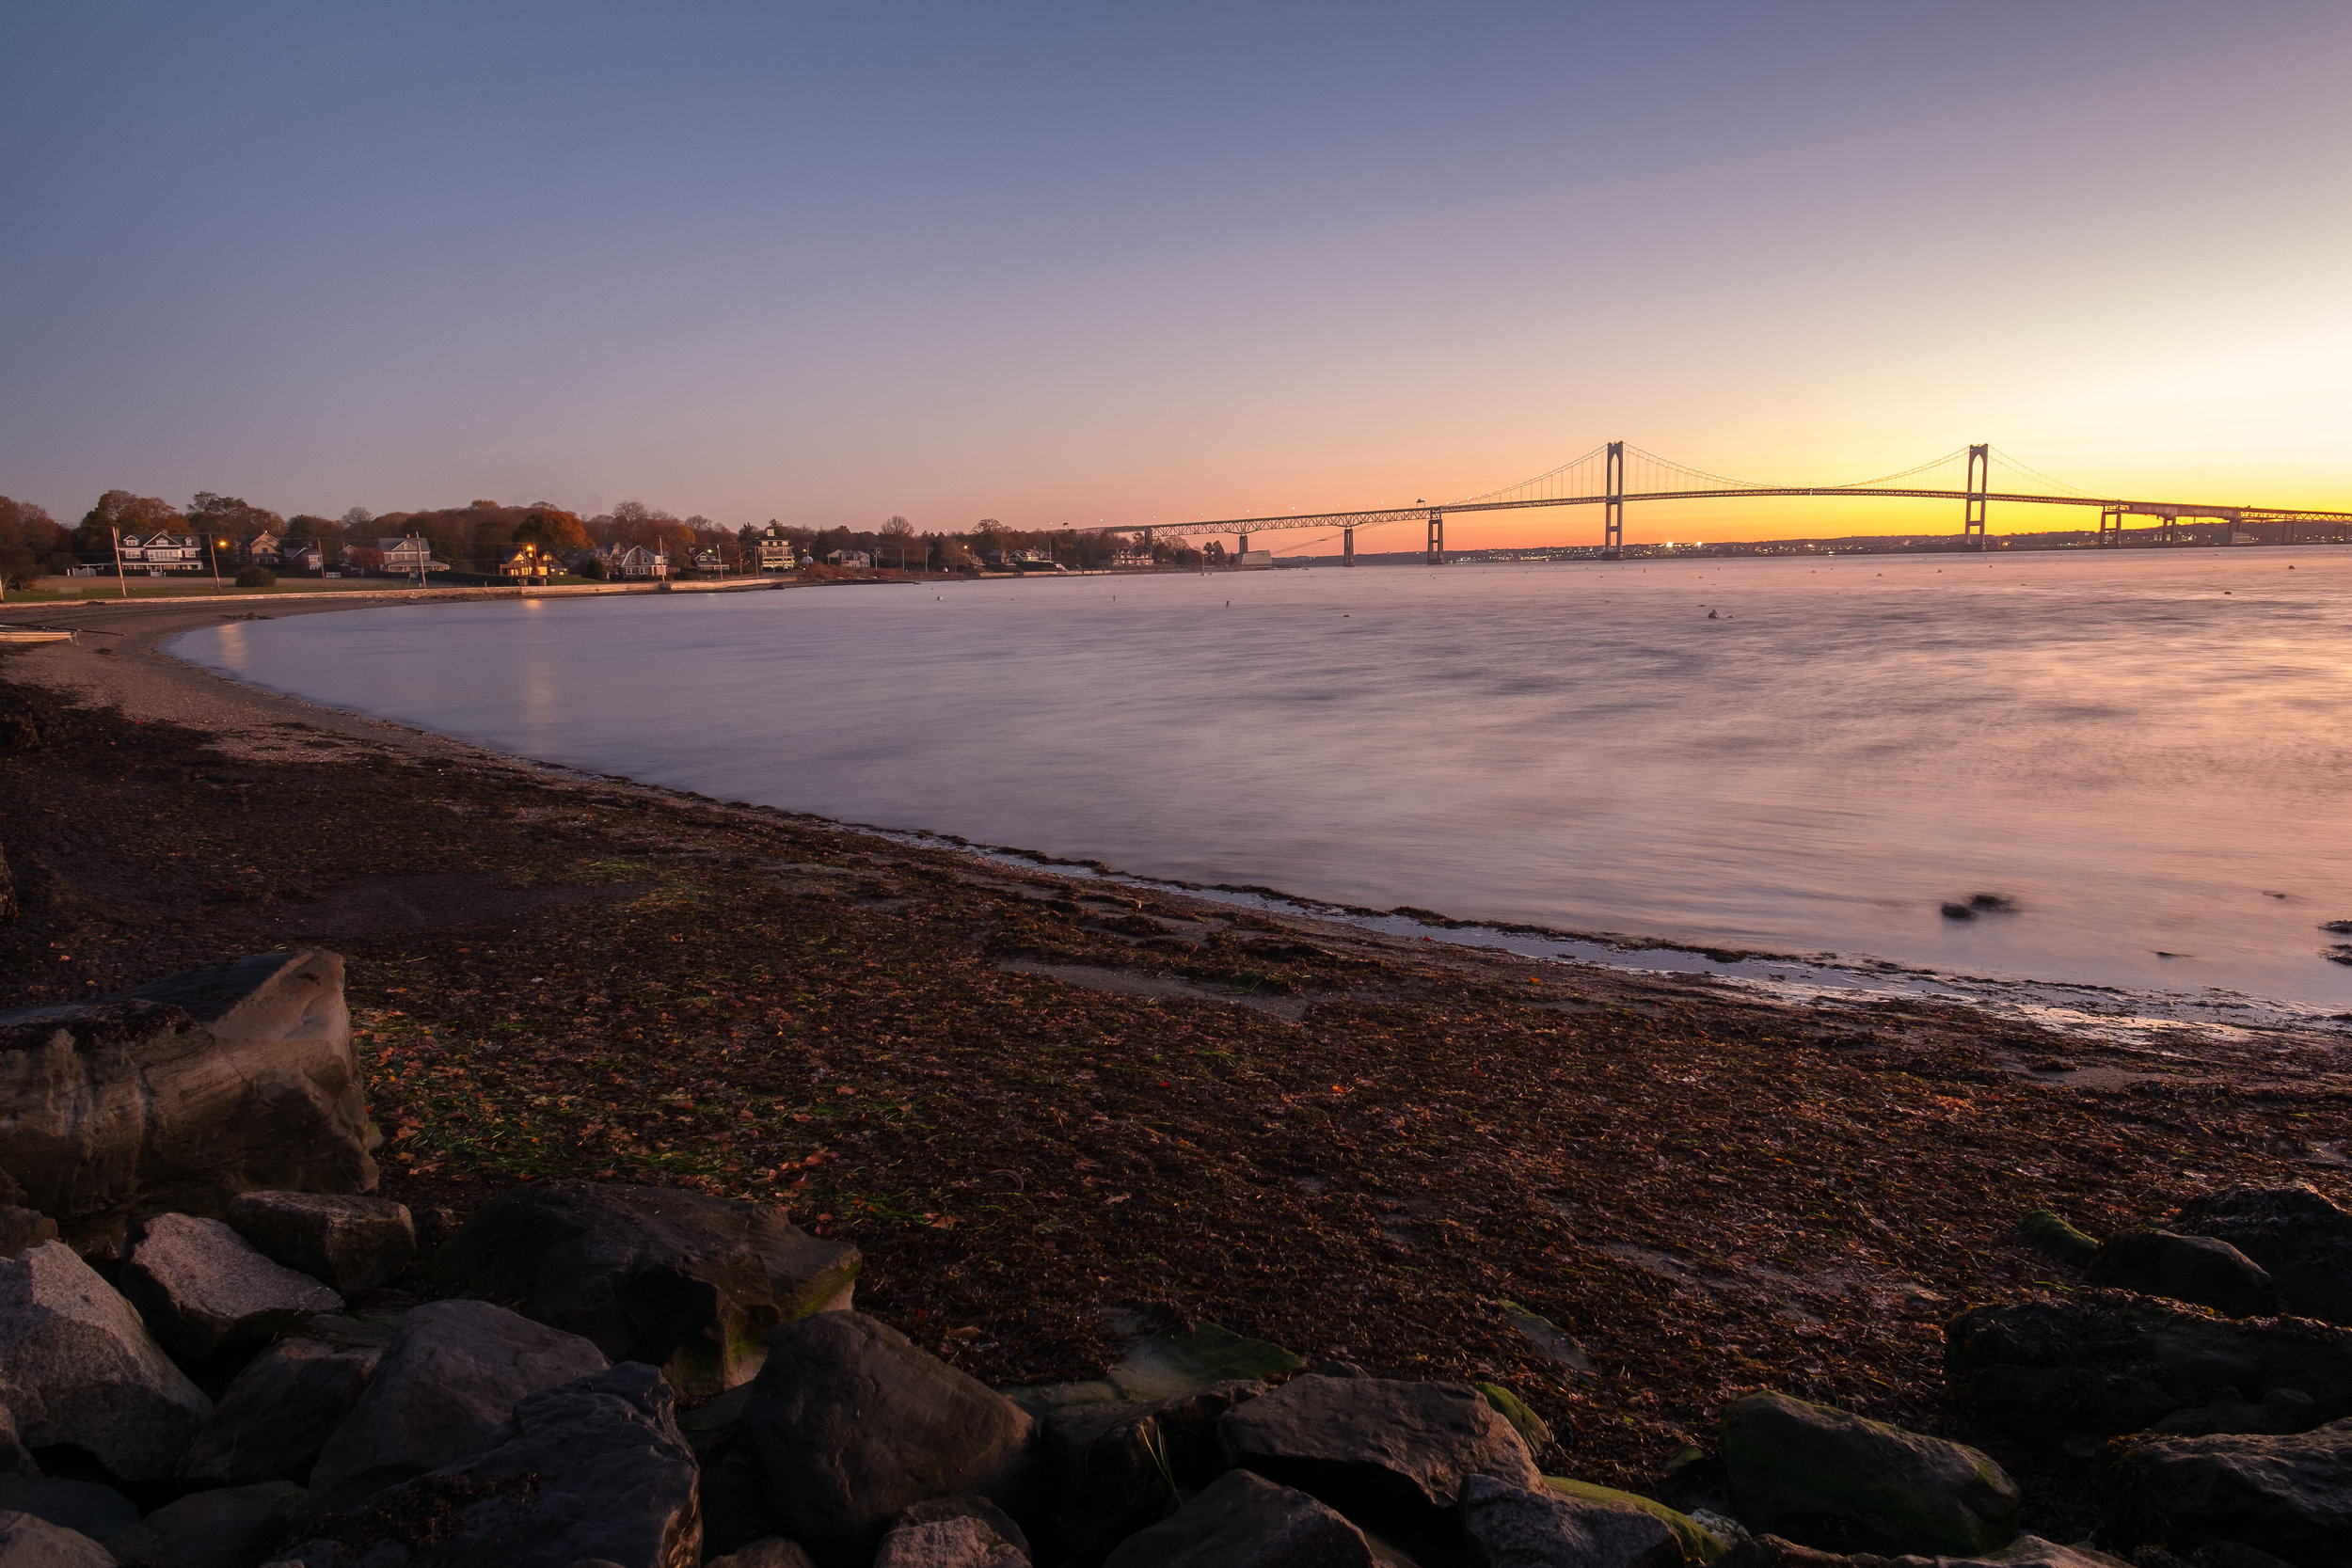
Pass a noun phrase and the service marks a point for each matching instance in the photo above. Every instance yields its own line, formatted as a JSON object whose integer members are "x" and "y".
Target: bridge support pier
{"x": 2111, "y": 525}
{"x": 1241, "y": 548}
{"x": 1613, "y": 507}
{"x": 1437, "y": 538}
{"x": 1979, "y": 484}
{"x": 1347, "y": 547}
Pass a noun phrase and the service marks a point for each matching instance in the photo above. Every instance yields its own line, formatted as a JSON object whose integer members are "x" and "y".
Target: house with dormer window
{"x": 163, "y": 552}
{"x": 413, "y": 553}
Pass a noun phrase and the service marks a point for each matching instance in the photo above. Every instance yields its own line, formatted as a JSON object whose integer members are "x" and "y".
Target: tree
{"x": 230, "y": 517}
{"x": 896, "y": 539}
{"x": 356, "y": 522}
{"x": 28, "y": 537}
{"x": 119, "y": 511}
{"x": 555, "y": 531}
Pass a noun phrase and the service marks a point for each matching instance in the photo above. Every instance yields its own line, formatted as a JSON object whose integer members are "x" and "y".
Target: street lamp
{"x": 218, "y": 544}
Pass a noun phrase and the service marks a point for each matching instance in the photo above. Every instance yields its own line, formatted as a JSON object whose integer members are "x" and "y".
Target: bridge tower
{"x": 1612, "y": 509}
{"x": 2111, "y": 524}
{"x": 1437, "y": 538}
{"x": 1347, "y": 547}
{"x": 1980, "y": 483}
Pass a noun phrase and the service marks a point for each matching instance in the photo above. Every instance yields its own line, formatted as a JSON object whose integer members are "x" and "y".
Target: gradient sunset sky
{"x": 1115, "y": 263}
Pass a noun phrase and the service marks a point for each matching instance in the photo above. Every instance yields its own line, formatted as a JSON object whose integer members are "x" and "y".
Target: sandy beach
{"x": 1046, "y": 1106}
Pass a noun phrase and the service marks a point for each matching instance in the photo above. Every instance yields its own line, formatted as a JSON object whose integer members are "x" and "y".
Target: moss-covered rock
{"x": 2046, "y": 1233}
{"x": 1513, "y": 1409}
{"x": 1699, "y": 1545}
{"x": 1825, "y": 1478}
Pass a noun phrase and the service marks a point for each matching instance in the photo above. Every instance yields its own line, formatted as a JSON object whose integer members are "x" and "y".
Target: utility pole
{"x": 121, "y": 582}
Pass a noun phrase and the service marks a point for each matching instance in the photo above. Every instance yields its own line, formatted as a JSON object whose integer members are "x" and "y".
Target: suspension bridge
{"x": 1619, "y": 474}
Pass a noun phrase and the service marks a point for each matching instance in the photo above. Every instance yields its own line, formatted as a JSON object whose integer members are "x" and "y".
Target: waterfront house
{"x": 635, "y": 561}
{"x": 413, "y": 553}
{"x": 163, "y": 552}
{"x": 263, "y": 549}
{"x": 709, "y": 563}
{"x": 527, "y": 566}
{"x": 1132, "y": 555}
{"x": 849, "y": 558}
{"x": 774, "y": 552}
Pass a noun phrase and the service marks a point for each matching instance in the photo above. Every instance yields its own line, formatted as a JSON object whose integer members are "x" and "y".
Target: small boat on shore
{"x": 29, "y": 634}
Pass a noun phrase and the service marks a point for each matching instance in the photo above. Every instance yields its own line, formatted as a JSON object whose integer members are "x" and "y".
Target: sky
{"x": 1117, "y": 265}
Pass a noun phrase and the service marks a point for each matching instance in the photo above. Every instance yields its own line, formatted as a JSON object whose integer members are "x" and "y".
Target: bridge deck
{"x": 1376, "y": 518}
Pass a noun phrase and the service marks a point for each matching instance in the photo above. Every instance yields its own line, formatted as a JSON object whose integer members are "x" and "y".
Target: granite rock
{"x": 2070, "y": 1374}
{"x": 2203, "y": 1271}
{"x": 2288, "y": 1496}
{"x": 1511, "y": 1527}
{"x": 236, "y": 1528}
{"x": 202, "y": 1289}
{"x": 1824, "y": 1478}
{"x": 452, "y": 1372}
{"x": 351, "y": 1243}
{"x": 851, "y": 1424}
{"x": 178, "y": 1095}
{"x": 27, "y": 1542}
{"x": 1392, "y": 1456}
{"x": 2298, "y": 1236}
{"x": 78, "y": 1368}
{"x": 688, "y": 1282}
{"x": 277, "y": 1415}
{"x": 1243, "y": 1520}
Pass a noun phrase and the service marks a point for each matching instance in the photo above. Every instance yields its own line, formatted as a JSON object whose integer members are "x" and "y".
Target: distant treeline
{"x": 482, "y": 536}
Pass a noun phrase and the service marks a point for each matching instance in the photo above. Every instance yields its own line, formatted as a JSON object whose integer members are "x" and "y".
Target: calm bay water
{"x": 2146, "y": 752}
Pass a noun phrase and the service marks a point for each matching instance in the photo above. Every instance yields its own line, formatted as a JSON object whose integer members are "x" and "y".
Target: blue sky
{"x": 1111, "y": 264}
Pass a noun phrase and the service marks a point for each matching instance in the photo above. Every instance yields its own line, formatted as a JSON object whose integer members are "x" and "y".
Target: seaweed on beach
{"x": 1050, "y": 1109}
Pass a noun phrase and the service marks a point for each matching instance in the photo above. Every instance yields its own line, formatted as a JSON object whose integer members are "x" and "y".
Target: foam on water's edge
{"x": 2097, "y": 1012}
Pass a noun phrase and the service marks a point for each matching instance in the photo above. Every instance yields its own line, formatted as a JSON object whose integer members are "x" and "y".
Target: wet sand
{"x": 1046, "y": 1106}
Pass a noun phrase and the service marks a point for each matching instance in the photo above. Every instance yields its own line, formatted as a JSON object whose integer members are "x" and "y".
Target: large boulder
{"x": 2288, "y": 1496}
{"x": 768, "y": 1551}
{"x": 179, "y": 1095}
{"x": 201, "y": 1289}
{"x": 1106, "y": 1474}
{"x": 2203, "y": 1271}
{"x": 594, "y": 1470}
{"x": 1698, "y": 1543}
{"x": 1825, "y": 1478}
{"x": 688, "y": 1282}
{"x": 79, "y": 1369}
{"x": 850, "y": 1423}
{"x": 274, "y": 1417}
{"x": 27, "y": 1542}
{"x": 236, "y": 1528}
{"x": 954, "y": 1532}
{"x": 1510, "y": 1527}
{"x": 453, "y": 1371}
{"x": 2070, "y": 1374}
{"x": 2027, "y": 1551}
{"x": 1242, "y": 1520}
{"x": 353, "y": 1244}
{"x": 2299, "y": 1238}
{"x": 1392, "y": 1456}
{"x": 97, "y": 1512}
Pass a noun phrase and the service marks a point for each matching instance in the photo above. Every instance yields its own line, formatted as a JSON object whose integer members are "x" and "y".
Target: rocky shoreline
{"x": 1073, "y": 1130}
{"x": 221, "y": 1349}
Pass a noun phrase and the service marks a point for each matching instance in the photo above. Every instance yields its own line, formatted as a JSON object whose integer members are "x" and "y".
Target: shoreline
{"x": 2139, "y": 1013}
{"x": 1034, "y": 1098}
